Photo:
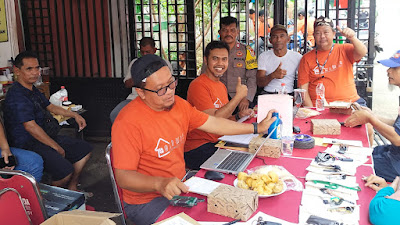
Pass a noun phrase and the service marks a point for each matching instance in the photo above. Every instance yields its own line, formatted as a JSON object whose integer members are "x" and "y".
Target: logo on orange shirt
{"x": 164, "y": 147}
{"x": 218, "y": 103}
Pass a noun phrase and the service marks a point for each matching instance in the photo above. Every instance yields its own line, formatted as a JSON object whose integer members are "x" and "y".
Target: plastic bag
{"x": 291, "y": 181}
{"x": 304, "y": 113}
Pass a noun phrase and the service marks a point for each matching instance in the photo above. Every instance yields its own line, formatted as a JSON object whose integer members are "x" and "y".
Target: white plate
{"x": 265, "y": 196}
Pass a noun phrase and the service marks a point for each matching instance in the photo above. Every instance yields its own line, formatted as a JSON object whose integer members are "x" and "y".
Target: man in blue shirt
{"x": 24, "y": 112}
{"x": 386, "y": 157}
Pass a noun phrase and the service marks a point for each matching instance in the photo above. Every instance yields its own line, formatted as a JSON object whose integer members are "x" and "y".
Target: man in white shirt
{"x": 147, "y": 46}
{"x": 279, "y": 65}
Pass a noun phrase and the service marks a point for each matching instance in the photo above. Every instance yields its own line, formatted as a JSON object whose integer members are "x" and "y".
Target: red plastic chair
{"x": 116, "y": 189}
{"x": 12, "y": 210}
{"x": 25, "y": 184}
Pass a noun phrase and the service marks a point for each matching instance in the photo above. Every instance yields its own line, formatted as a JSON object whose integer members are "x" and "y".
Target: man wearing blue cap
{"x": 148, "y": 138}
{"x": 387, "y": 157}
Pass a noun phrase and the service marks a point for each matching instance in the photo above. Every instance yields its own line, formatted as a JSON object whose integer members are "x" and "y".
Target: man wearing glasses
{"x": 147, "y": 46}
{"x": 208, "y": 94}
{"x": 332, "y": 64}
{"x": 149, "y": 135}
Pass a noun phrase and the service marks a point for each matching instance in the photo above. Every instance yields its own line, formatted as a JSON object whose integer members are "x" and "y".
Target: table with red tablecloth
{"x": 286, "y": 205}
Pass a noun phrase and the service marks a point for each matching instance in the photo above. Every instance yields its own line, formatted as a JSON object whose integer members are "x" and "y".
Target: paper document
{"x": 339, "y": 141}
{"x": 201, "y": 186}
{"x": 283, "y": 104}
{"x": 243, "y": 139}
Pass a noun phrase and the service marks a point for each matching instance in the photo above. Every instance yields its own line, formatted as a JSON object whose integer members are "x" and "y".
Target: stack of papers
{"x": 332, "y": 194}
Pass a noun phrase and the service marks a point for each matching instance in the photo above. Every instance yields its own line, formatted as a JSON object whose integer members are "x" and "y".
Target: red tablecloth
{"x": 286, "y": 205}
{"x": 347, "y": 133}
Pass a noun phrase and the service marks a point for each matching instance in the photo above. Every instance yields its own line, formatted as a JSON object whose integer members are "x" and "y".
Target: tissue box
{"x": 325, "y": 127}
{"x": 232, "y": 202}
{"x": 271, "y": 148}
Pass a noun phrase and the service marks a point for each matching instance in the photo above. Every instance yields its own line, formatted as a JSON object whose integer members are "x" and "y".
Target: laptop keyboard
{"x": 233, "y": 161}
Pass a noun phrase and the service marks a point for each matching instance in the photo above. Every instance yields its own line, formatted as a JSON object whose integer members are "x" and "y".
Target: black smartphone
{"x": 12, "y": 161}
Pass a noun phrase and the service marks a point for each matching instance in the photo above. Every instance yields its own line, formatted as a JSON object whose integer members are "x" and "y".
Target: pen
{"x": 232, "y": 222}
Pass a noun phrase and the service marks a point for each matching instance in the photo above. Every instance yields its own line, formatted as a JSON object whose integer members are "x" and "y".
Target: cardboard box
{"x": 78, "y": 217}
{"x": 271, "y": 148}
{"x": 325, "y": 127}
{"x": 57, "y": 199}
{"x": 233, "y": 202}
{"x": 341, "y": 111}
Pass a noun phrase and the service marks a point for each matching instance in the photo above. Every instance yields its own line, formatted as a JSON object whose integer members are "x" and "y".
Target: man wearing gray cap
{"x": 386, "y": 157}
{"x": 148, "y": 138}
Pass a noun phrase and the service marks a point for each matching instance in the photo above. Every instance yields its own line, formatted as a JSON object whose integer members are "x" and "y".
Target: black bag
{"x": 51, "y": 125}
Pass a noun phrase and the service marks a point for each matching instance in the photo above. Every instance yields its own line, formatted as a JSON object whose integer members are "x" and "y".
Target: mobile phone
{"x": 12, "y": 161}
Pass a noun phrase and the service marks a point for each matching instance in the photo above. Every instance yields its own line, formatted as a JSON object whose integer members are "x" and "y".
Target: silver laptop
{"x": 230, "y": 161}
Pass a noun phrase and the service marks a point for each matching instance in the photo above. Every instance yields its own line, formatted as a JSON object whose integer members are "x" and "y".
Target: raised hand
{"x": 347, "y": 32}
{"x": 241, "y": 89}
{"x": 279, "y": 73}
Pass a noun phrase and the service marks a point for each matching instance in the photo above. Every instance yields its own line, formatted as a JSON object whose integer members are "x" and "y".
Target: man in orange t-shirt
{"x": 301, "y": 26}
{"x": 332, "y": 64}
{"x": 148, "y": 138}
{"x": 208, "y": 94}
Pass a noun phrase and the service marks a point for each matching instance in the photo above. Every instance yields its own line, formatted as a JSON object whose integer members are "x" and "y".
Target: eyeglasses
{"x": 163, "y": 90}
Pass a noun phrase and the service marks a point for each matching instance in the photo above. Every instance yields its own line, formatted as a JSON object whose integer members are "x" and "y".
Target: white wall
{"x": 385, "y": 102}
{"x": 10, "y": 48}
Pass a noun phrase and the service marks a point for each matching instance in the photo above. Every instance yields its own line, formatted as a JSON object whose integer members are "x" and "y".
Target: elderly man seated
{"x": 26, "y": 112}
{"x": 149, "y": 135}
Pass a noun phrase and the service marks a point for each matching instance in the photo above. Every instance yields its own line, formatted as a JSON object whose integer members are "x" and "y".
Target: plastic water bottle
{"x": 320, "y": 91}
{"x": 283, "y": 89}
{"x": 277, "y": 124}
{"x": 63, "y": 94}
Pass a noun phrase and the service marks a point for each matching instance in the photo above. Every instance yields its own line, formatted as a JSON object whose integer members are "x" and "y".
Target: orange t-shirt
{"x": 261, "y": 27}
{"x": 151, "y": 142}
{"x": 204, "y": 93}
{"x": 337, "y": 75}
{"x": 310, "y": 29}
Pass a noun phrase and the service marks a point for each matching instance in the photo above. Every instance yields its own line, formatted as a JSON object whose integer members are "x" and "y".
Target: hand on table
{"x": 373, "y": 181}
{"x": 169, "y": 187}
{"x": 358, "y": 117}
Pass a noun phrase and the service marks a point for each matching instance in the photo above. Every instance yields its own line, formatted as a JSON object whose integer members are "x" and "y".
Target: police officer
{"x": 242, "y": 62}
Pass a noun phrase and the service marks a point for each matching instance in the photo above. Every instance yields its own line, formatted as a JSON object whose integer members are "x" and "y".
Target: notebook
{"x": 230, "y": 161}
